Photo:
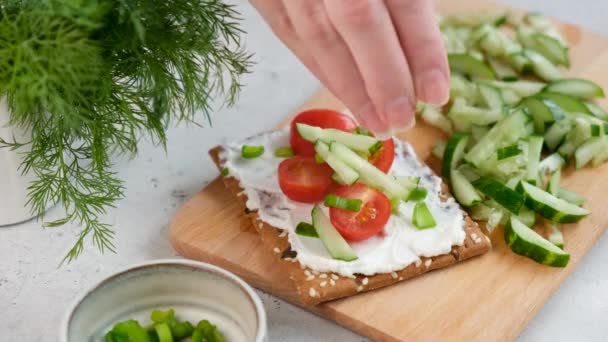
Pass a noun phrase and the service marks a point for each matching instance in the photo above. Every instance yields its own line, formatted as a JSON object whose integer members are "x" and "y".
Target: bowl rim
{"x": 254, "y": 298}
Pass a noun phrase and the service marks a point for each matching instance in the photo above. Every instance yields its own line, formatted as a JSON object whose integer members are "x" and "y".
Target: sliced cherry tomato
{"x": 383, "y": 158}
{"x": 323, "y": 118}
{"x": 367, "y": 222}
{"x": 302, "y": 179}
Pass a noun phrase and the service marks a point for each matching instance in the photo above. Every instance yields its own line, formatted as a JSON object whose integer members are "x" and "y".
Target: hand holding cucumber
{"x": 378, "y": 57}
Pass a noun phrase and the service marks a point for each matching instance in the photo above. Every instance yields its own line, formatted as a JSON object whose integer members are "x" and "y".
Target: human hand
{"x": 377, "y": 56}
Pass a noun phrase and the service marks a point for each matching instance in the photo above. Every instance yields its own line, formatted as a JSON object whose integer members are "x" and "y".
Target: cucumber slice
{"x": 433, "y": 116}
{"x": 526, "y": 242}
{"x": 454, "y": 151}
{"x": 464, "y": 116}
{"x": 481, "y": 212}
{"x": 503, "y": 70}
{"x": 505, "y": 132}
{"x": 503, "y": 195}
{"x": 567, "y": 103}
{"x": 461, "y": 88}
{"x": 464, "y": 191}
{"x": 551, "y": 207}
{"x": 361, "y": 143}
{"x": 571, "y": 197}
{"x": 520, "y": 62}
{"x": 535, "y": 148}
{"x": 556, "y": 133}
{"x": 588, "y": 150}
{"x": 508, "y": 152}
{"x": 527, "y": 216}
{"x": 556, "y": 237}
{"x": 582, "y": 89}
{"x": 554, "y": 183}
{"x": 492, "y": 97}
{"x": 551, "y": 164}
{"x": 469, "y": 172}
{"x": 551, "y": 48}
{"x": 470, "y": 66}
{"x": 369, "y": 174}
{"x": 478, "y": 132}
{"x": 523, "y": 88}
{"x": 542, "y": 67}
{"x": 344, "y": 173}
{"x": 438, "y": 150}
{"x": 543, "y": 112}
{"x": 335, "y": 244}
{"x": 596, "y": 110}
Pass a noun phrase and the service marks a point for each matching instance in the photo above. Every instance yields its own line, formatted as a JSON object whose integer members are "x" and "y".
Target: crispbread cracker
{"x": 316, "y": 287}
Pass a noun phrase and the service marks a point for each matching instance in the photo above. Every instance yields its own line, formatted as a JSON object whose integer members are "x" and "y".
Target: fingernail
{"x": 369, "y": 118}
{"x": 433, "y": 87}
{"x": 400, "y": 114}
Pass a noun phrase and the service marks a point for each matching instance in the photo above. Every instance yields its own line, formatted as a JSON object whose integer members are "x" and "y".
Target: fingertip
{"x": 433, "y": 87}
{"x": 368, "y": 117}
{"x": 401, "y": 114}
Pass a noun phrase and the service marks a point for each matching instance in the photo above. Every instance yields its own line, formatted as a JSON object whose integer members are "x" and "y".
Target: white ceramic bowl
{"x": 195, "y": 290}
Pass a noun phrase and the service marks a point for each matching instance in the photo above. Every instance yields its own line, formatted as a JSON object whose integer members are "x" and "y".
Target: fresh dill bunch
{"x": 89, "y": 78}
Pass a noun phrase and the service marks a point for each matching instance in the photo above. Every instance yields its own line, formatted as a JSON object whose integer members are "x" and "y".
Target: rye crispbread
{"x": 316, "y": 287}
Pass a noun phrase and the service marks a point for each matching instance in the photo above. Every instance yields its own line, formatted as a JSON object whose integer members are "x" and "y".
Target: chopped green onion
{"x": 250, "y": 152}
{"x": 319, "y": 159}
{"x": 159, "y": 316}
{"x": 332, "y": 200}
{"x": 306, "y": 229}
{"x": 363, "y": 131}
{"x": 375, "y": 147}
{"x": 508, "y": 151}
{"x": 225, "y": 172}
{"x": 595, "y": 130}
{"x": 164, "y": 332}
{"x": 422, "y": 217}
{"x": 418, "y": 194}
{"x": 208, "y": 332}
{"x": 182, "y": 330}
{"x": 284, "y": 152}
{"x": 131, "y": 330}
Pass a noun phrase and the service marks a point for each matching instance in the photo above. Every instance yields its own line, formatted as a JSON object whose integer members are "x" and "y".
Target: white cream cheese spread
{"x": 399, "y": 245}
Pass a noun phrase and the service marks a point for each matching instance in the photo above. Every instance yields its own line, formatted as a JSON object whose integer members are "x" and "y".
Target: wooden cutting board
{"x": 487, "y": 298}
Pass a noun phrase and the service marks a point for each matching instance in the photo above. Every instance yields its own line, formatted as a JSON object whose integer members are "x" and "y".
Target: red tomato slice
{"x": 369, "y": 221}
{"x": 323, "y": 118}
{"x": 383, "y": 158}
{"x": 302, "y": 179}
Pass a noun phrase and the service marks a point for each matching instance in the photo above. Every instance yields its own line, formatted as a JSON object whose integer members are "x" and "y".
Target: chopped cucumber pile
{"x": 515, "y": 122}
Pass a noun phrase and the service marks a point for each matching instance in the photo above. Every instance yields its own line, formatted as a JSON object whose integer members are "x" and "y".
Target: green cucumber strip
{"x": 535, "y": 148}
{"x": 361, "y": 143}
{"x": 464, "y": 116}
{"x": 543, "y": 112}
{"x": 306, "y": 229}
{"x": 470, "y": 66}
{"x": 551, "y": 207}
{"x": 418, "y": 194}
{"x": 284, "y": 152}
{"x": 363, "y": 131}
{"x": 567, "y": 103}
{"x": 576, "y": 87}
{"x": 523, "y": 88}
{"x": 438, "y": 150}
{"x": 336, "y": 178}
{"x": 556, "y": 237}
{"x": 520, "y": 62}
{"x": 349, "y": 204}
{"x": 505, "y": 132}
{"x": 527, "y": 216}
{"x": 433, "y": 116}
{"x": 596, "y": 110}
{"x": 344, "y": 173}
{"x": 422, "y": 217}
{"x": 460, "y": 87}
{"x": 478, "y": 132}
{"x": 503, "y": 195}
{"x": 335, "y": 244}
{"x": 481, "y": 212}
{"x": 601, "y": 156}
{"x": 553, "y": 185}
{"x": 502, "y": 69}
{"x": 492, "y": 96}
{"x": 571, "y": 197}
{"x": 409, "y": 182}
{"x": 369, "y": 174}
{"x": 542, "y": 67}
{"x": 555, "y": 135}
{"x": 251, "y": 152}
{"x": 526, "y": 242}
{"x": 508, "y": 151}
{"x": 463, "y": 190}
{"x": 454, "y": 151}
{"x": 588, "y": 150}
{"x": 551, "y": 48}
{"x": 225, "y": 171}
{"x": 474, "y": 19}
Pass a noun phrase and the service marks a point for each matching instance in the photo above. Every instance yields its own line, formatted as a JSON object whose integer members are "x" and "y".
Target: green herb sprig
{"x": 90, "y": 78}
